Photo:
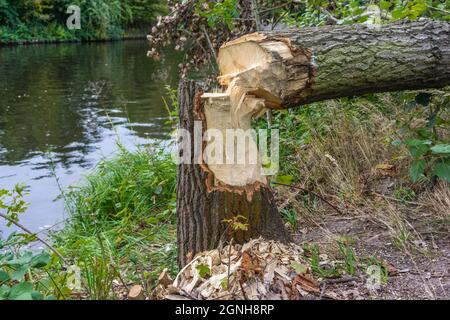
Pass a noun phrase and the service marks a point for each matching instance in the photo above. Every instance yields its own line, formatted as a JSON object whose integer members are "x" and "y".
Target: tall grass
{"x": 345, "y": 151}
{"x": 123, "y": 214}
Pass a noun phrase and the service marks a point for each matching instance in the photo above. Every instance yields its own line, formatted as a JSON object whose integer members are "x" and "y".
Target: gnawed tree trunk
{"x": 283, "y": 69}
{"x": 298, "y": 66}
{"x": 202, "y": 206}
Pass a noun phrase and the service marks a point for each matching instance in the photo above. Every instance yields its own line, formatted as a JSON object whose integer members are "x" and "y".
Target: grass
{"x": 122, "y": 221}
{"x": 344, "y": 150}
{"x": 122, "y": 230}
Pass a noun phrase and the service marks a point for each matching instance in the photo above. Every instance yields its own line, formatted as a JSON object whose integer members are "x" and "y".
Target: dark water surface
{"x": 62, "y": 109}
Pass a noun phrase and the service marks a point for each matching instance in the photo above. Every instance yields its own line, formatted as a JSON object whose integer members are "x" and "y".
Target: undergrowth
{"x": 122, "y": 222}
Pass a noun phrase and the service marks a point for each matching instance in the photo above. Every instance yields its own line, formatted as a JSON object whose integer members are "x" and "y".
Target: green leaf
{"x": 417, "y": 147}
{"x": 40, "y": 260}
{"x": 36, "y": 295}
{"x": 442, "y": 170}
{"x": 4, "y": 292}
{"x": 224, "y": 283}
{"x": 203, "y": 270}
{"x": 398, "y": 13}
{"x": 299, "y": 267}
{"x": 441, "y": 148}
{"x": 19, "y": 273}
{"x": 4, "y": 276}
{"x": 24, "y": 259}
{"x": 417, "y": 142}
{"x": 21, "y": 291}
{"x": 418, "y": 151}
{"x": 416, "y": 170}
{"x": 385, "y": 4}
{"x": 423, "y": 98}
{"x": 285, "y": 179}
{"x": 417, "y": 9}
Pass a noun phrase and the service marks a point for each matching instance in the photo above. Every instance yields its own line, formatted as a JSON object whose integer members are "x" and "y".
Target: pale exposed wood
{"x": 283, "y": 69}
{"x": 297, "y": 66}
{"x": 202, "y": 205}
{"x": 165, "y": 279}
{"x": 136, "y": 293}
{"x": 231, "y": 152}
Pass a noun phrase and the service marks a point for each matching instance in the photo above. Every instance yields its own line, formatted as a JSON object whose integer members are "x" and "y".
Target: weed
{"x": 312, "y": 251}
{"x": 350, "y": 261}
{"x": 290, "y": 217}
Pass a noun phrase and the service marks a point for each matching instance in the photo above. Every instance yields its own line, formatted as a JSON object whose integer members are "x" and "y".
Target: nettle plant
{"x": 427, "y": 132}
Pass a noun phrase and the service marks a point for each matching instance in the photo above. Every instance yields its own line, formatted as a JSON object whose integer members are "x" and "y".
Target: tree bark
{"x": 298, "y": 66}
{"x": 202, "y": 209}
{"x": 283, "y": 69}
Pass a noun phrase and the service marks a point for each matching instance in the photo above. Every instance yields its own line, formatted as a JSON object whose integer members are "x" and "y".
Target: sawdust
{"x": 259, "y": 269}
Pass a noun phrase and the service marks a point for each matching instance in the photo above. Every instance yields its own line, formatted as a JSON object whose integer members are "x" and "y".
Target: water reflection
{"x": 64, "y": 106}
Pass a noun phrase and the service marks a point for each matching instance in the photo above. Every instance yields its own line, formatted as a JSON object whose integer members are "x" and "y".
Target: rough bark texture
{"x": 287, "y": 69}
{"x": 200, "y": 212}
{"x": 312, "y": 64}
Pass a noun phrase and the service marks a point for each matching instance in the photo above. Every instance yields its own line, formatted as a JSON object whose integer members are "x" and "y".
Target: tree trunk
{"x": 283, "y": 69}
{"x": 299, "y": 66}
{"x": 202, "y": 209}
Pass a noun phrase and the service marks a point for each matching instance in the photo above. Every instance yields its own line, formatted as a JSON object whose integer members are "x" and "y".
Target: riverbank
{"x": 122, "y": 219}
{"x": 383, "y": 218}
{"x": 45, "y": 21}
{"x": 121, "y": 228}
{"x": 35, "y": 41}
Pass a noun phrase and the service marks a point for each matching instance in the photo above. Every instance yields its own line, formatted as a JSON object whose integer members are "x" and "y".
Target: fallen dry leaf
{"x": 306, "y": 282}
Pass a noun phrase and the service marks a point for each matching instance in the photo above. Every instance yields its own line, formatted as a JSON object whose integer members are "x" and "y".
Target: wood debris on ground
{"x": 259, "y": 269}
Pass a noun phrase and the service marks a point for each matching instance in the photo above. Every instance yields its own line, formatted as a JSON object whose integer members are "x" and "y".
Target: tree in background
{"x": 100, "y": 19}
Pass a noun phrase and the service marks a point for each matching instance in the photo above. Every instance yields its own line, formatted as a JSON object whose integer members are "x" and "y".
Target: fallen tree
{"x": 285, "y": 69}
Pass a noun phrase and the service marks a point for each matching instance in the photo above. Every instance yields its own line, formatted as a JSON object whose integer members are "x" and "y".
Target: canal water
{"x": 62, "y": 109}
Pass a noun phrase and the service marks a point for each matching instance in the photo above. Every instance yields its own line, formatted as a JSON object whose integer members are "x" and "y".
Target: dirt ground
{"x": 420, "y": 271}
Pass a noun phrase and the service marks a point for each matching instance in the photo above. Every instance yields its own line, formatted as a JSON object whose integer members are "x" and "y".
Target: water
{"x": 62, "y": 109}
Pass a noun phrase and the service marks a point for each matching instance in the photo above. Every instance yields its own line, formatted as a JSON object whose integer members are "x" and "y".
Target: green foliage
{"x": 404, "y": 194}
{"x": 349, "y": 258}
{"x": 318, "y": 12}
{"x": 99, "y": 276}
{"x": 312, "y": 251}
{"x": 100, "y": 19}
{"x": 122, "y": 218}
{"x": 171, "y": 104}
{"x": 426, "y": 134}
{"x": 290, "y": 216}
{"x": 25, "y": 274}
{"x": 236, "y": 223}
{"x": 203, "y": 270}
{"x": 218, "y": 13}
{"x": 12, "y": 202}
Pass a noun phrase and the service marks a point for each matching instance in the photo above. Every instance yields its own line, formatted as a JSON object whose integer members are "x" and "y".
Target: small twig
{"x": 256, "y": 15}
{"x": 200, "y": 45}
{"x": 208, "y": 39}
{"x": 269, "y": 118}
{"x": 276, "y": 7}
{"x": 333, "y": 18}
{"x": 439, "y": 9}
{"x": 338, "y": 280}
{"x": 395, "y": 199}
{"x": 243, "y": 291}
{"x": 229, "y": 264}
{"x": 274, "y": 24}
{"x": 311, "y": 192}
{"x": 34, "y": 235}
